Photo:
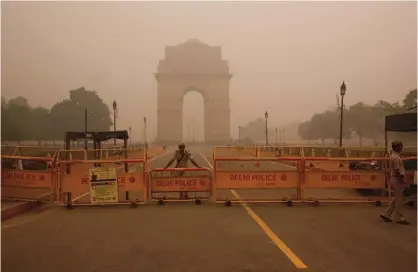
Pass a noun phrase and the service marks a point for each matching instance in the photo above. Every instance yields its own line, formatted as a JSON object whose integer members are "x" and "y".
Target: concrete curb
{"x": 18, "y": 208}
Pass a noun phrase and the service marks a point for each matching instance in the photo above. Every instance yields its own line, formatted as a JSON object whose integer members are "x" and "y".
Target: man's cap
{"x": 182, "y": 145}
{"x": 396, "y": 143}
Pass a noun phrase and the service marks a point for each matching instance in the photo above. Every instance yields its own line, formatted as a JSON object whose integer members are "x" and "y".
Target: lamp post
{"x": 85, "y": 129}
{"x": 239, "y": 135}
{"x": 130, "y": 137}
{"x": 145, "y": 132}
{"x": 276, "y": 137}
{"x": 266, "y": 115}
{"x": 343, "y": 89}
{"x": 115, "y": 108}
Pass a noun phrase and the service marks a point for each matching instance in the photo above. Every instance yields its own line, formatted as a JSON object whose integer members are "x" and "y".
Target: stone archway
{"x": 193, "y": 66}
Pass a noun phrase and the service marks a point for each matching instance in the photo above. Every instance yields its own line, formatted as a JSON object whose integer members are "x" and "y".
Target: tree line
{"x": 20, "y": 121}
{"x": 359, "y": 120}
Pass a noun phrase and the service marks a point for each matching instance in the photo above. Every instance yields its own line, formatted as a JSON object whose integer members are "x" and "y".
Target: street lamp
{"x": 276, "y": 136}
{"x": 130, "y": 137}
{"x": 266, "y": 115}
{"x": 145, "y": 132}
{"x": 115, "y": 108}
{"x": 343, "y": 89}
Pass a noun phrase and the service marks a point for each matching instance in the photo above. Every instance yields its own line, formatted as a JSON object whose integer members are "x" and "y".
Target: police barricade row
{"x": 180, "y": 184}
{"x": 87, "y": 177}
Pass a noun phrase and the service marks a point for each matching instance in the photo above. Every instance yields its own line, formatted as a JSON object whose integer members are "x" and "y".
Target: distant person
{"x": 182, "y": 156}
{"x": 397, "y": 179}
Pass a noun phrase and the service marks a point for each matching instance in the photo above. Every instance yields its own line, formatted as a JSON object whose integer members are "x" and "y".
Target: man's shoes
{"x": 403, "y": 222}
{"x": 385, "y": 218}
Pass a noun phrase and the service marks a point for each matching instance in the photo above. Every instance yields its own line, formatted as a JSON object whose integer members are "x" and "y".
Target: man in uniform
{"x": 182, "y": 156}
{"x": 397, "y": 178}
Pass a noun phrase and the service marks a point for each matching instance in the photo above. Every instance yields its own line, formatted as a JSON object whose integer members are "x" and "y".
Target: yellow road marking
{"x": 276, "y": 240}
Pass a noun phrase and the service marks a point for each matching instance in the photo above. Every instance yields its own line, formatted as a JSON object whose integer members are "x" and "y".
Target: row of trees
{"x": 19, "y": 121}
{"x": 360, "y": 120}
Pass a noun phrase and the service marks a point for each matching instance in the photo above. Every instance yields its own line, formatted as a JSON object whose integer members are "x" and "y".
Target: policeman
{"x": 397, "y": 179}
{"x": 182, "y": 156}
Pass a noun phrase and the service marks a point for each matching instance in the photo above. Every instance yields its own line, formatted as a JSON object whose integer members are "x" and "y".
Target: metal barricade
{"x": 175, "y": 185}
{"x": 28, "y": 178}
{"x": 257, "y": 180}
{"x": 345, "y": 185}
{"x": 91, "y": 178}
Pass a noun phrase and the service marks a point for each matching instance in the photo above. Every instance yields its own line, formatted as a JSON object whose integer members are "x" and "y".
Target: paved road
{"x": 185, "y": 237}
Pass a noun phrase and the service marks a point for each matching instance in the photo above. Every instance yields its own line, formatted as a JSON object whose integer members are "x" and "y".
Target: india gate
{"x": 193, "y": 66}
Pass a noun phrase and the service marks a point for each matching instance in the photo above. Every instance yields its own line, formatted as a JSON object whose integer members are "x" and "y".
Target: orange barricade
{"x": 119, "y": 181}
{"x": 254, "y": 176}
{"x": 337, "y": 185}
{"x": 28, "y": 178}
{"x": 164, "y": 182}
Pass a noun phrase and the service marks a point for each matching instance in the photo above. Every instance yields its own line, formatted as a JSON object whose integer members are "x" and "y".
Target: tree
{"x": 360, "y": 120}
{"x": 15, "y": 119}
{"x": 68, "y": 115}
{"x": 410, "y": 99}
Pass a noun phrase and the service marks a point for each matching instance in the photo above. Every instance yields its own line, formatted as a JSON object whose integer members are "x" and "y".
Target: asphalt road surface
{"x": 186, "y": 237}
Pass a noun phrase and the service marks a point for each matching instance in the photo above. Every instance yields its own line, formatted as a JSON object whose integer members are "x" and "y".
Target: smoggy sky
{"x": 289, "y": 58}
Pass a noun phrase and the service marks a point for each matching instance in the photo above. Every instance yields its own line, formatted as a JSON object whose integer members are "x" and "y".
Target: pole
{"x": 145, "y": 132}
{"x": 276, "y": 138}
{"x": 267, "y": 137}
{"x": 341, "y": 120}
{"x": 85, "y": 129}
{"x": 114, "y": 125}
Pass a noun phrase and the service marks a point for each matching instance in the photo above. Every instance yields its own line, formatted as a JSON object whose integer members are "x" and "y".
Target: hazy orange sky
{"x": 287, "y": 57}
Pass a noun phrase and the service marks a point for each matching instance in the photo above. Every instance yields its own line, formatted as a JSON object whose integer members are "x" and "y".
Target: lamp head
{"x": 343, "y": 89}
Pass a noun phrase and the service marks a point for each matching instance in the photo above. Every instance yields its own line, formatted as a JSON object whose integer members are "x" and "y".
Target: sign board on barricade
{"x": 103, "y": 185}
{"x": 344, "y": 180}
{"x": 28, "y": 178}
{"x": 256, "y": 180}
{"x": 176, "y": 180}
{"x": 180, "y": 184}
{"x": 23, "y": 178}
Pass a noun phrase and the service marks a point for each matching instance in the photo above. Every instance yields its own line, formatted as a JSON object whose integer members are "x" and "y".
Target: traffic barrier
{"x": 28, "y": 178}
{"x": 327, "y": 185}
{"x": 89, "y": 177}
{"x": 228, "y": 151}
{"x": 252, "y": 173}
{"x": 163, "y": 182}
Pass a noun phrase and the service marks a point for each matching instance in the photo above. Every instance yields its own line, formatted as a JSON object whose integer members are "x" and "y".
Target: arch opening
{"x": 193, "y": 117}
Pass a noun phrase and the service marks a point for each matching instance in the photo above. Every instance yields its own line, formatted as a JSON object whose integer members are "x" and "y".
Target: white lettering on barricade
{"x": 247, "y": 180}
